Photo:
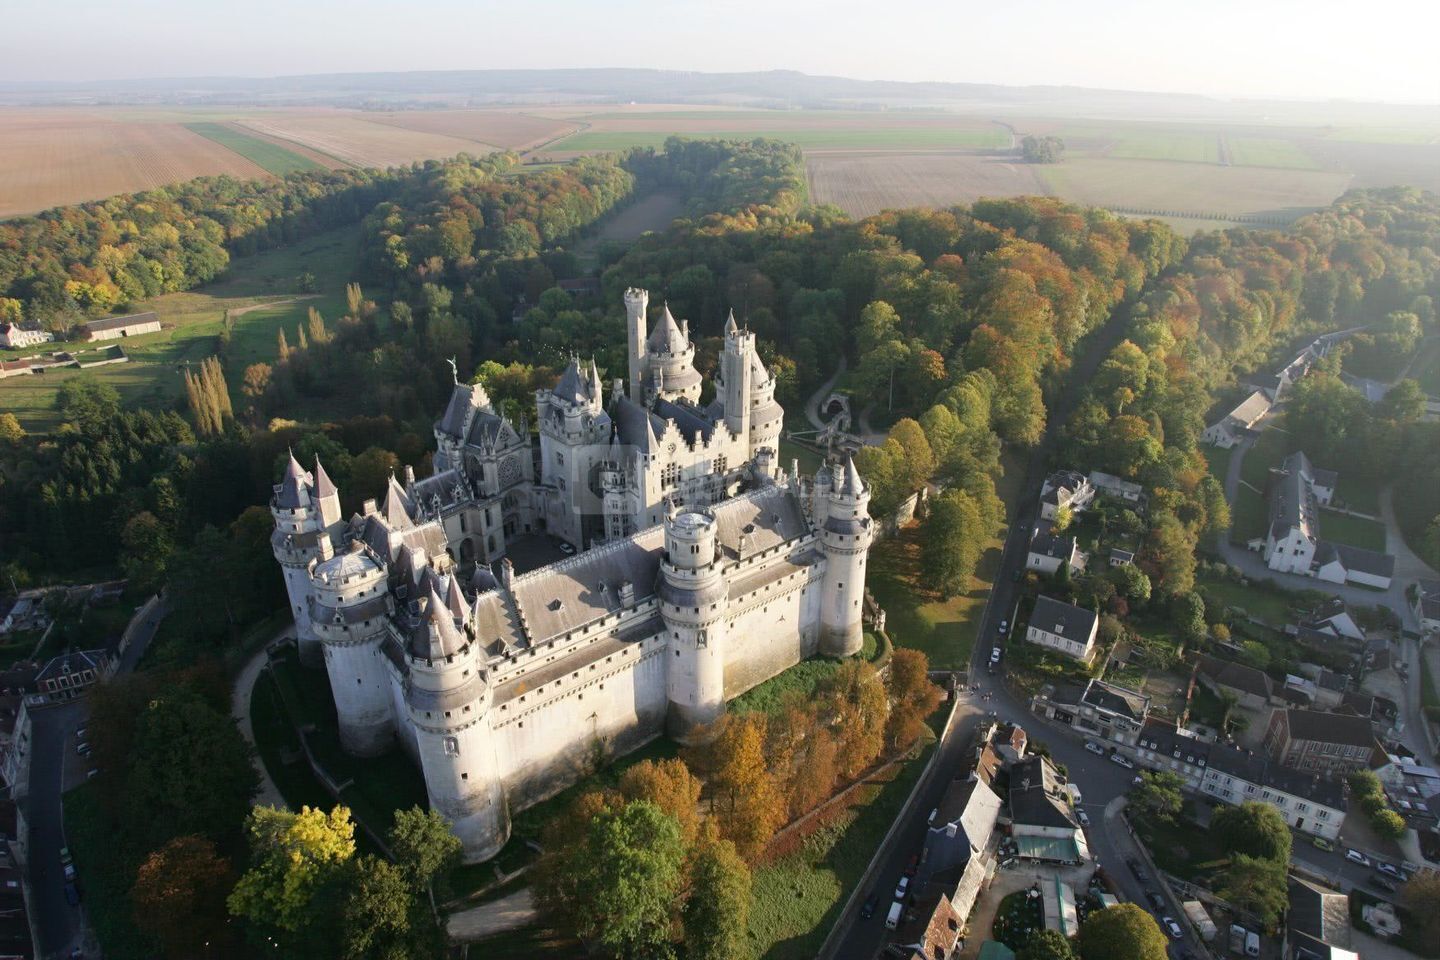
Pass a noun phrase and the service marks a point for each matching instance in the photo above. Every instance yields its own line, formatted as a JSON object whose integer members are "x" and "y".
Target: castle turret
{"x": 736, "y": 378}
{"x": 669, "y": 368}
{"x": 574, "y": 441}
{"x": 845, "y": 533}
{"x": 694, "y": 602}
{"x": 301, "y": 537}
{"x": 349, "y": 611}
{"x": 636, "y": 302}
{"x": 448, "y": 698}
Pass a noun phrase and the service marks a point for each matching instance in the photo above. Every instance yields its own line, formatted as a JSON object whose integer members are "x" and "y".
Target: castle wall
{"x": 361, "y": 687}
{"x": 775, "y": 629}
{"x": 546, "y": 739}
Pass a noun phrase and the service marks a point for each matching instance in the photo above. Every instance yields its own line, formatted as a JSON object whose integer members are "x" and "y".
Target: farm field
{"x": 1268, "y": 152}
{"x": 53, "y": 157}
{"x": 862, "y": 184}
{"x": 259, "y": 292}
{"x": 264, "y": 153}
{"x": 502, "y": 129}
{"x": 362, "y": 142}
{"x": 1185, "y": 147}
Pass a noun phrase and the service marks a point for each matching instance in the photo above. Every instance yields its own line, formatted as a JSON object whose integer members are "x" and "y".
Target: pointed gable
{"x": 324, "y": 487}
{"x": 666, "y": 337}
{"x": 293, "y": 491}
{"x": 397, "y": 506}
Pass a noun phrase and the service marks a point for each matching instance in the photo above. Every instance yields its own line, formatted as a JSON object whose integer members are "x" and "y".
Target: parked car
{"x": 867, "y": 909}
{"x": 1156, "y": 901}
{"x": 83, "y": 749}
{"x": 565, "y": 548}
{"x": 1355, "y": 856}
{"x": 65, "y": 855}
{"x": 80, "y": 733}
{"x": 1095, "y": 748}
{"x": 69, "y": 872}
{"x": 92, "y": 773}
{"x": 1136, "y": 869}
{"x": 1390, "y": 870}
{"x": 995, "y": 655}
{"x": 914, "y": 866}
{"x": 1323, "y": 844}
{"x": 1172, "y": 928}
{"x": 892, "y": 919}
{"x": 1082, "y": 816}
{"x": 1123, "y": 760}
{"x": 902, "y": 888}
{"x": 1004, "y": 627}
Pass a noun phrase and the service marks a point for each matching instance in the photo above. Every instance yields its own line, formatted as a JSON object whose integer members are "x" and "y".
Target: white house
{"x": 1063, "y": 627}
{"x": 1048, "y": 550}
{"x": 15, "y": 336}
{"x": 1042, "y": 823}
{"x": 1113, "y": 486}
{"x": 130, "y": 325}
{"x": 1065, "y": 489}
{"x": 1292, "y": 543}
{"x": 1232, "y": 427}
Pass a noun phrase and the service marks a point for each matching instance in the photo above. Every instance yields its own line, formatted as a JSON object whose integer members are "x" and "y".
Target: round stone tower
{"x": 306, "y": 508}
{"x": 694, "y": 601}
{"x": 448, "y": 699}
{"x": 349, "y": 615}
{"x": 845, "y": 534}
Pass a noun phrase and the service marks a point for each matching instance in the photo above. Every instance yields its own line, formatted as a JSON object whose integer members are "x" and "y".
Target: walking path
{"x": 268, "y": 793}
{"x": 488, "y": 919}
{"x": 812, "y": 406}
{"x": 1407, "y": 565}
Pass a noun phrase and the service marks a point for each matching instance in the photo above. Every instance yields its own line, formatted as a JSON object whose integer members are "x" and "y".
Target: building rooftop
{"x": 1236, "y": 675}
{"x": 115, "y": 323}
{"x": 1338, "y": 728}
{"x": 1063, "y": 619}
{"x": 1117, "y": 699}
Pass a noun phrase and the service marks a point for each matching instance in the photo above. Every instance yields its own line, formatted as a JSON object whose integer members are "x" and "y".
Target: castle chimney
{"x": 409, "y": 477}
{"x": 507, "y": 574}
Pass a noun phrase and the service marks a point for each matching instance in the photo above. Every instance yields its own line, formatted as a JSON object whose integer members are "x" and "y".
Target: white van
{"x": 892, "y": 920}
{"x": 1252, "y": 944}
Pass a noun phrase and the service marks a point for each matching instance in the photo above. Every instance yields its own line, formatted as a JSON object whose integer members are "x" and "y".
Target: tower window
{"x": 464, "y": 776}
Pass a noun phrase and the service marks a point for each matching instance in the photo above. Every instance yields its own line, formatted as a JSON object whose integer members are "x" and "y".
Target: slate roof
{"x": 1035, "y": 795}
{"x": 1366, "y": 561}
{"x": 636, "y": 426}
{"x": 1236, "y": 675}
{"x": 115, "y": 323}
{"x": 973, "y": 806}
{"x": 293, "y": 490}
{"x": 1319, "y": 914}
{"x": 575, "y": 385}
{"x": 692, "y": 424}
{"x": 1250, "y": 409}
{"x": 463, "y": 398}
{"x": 1330, "y": 728}
{"x": 1063, "y": 619}
{"x": 666, "y": 337}
{"x": 1263, "y": 771}
{"x": 1117, "y": 699}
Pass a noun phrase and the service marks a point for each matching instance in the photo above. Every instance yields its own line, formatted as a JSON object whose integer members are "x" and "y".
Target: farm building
{"x": 131, "y": 325}
{"x": 15, "y": 336}
{"x": 1235, "y": 425}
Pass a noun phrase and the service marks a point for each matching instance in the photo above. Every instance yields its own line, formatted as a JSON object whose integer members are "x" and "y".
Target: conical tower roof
{"x": 455, "y": 599}
{"x": 434, "y": 636}
{"x": 324, "y": 487}
{"x": 396, "y": 509}
{"x": 294, "y": 488}
{"x": 852, "y": 484}
{"x": 666, "y": 337}
{"x": 731, "y": 329}
{"x": 574, "y": 385}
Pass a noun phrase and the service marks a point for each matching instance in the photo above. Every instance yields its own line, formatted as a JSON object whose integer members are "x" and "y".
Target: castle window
{"x": 464, "y": 776}
{"x": 720, "y": 464}
{"x": 452, "y": 745}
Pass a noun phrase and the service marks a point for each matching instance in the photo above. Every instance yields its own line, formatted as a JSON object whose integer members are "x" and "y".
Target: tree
{"x": 1421, "y": 896}
{"x": 1131, "y": 583}
{"x": 669, "y": 785}
{"x": 1388, "y": 824}
{"x": 854, "y": 706}
{"x": 1253, "y": 828}
{"x": 1254, "y": 653}
{"x": 912, "y": 696}
{"x": 179, "y": 896}
{"x": 10, "y": 430}
{"x": 750, "y": 807}
{"x": 1064, "y": 516}
{"x": 1046, "y": 945}
{"x": 1123, "y": 932}
{"x": 955, "y": 538}
{"x": 1042, "y": 149}
{"x": 292, "y": 856}
{"x": 376, "y": 912}
{"x": 146, "y": 545}
{"x": 718, "y": 909}
{"x": 423, "y": 845}
{"x": 629, "y": 873}
{"x": 1256, "y": 884}
{"x": 1159, "y": 794}
{"x": 1187, "y": 611}
{"x": 1404, "y": 402}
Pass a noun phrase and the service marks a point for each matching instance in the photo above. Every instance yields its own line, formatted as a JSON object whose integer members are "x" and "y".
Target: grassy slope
{"x": 194, "y": 319}
{"x": 1355, "y": 531}
{"x": 270, "y": 156}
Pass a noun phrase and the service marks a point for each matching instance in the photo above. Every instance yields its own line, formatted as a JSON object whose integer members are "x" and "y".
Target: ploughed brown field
{"x": 863, "y": 183}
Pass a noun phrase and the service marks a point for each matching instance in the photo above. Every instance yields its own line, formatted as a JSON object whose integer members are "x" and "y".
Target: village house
{"x": 1292, "y": 543}
{"x": 1335, "y": 743}
{"x": 71, "y": 674}
{"x": 1113, "y": 486}
{"x": 931, "y": 929}
{"x": 14, "y": 336}
{"x": 1105, "y": 710}
{"x": 1048, "y": 550}
{"x": 1064, "y": 628}
{"x": 1317, "y": 925}
{"x": 130, "y": 325}
{"x": 1041, "y": 821}
{"x": 1252, "y": 689}
{"x": 1065, "y": 490}
{"x": 1121, "y": 558}
{"x": 1238, "y": 423}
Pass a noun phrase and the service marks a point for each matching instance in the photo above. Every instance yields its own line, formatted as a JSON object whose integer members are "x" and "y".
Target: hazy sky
{"x": 1311, "y": 49}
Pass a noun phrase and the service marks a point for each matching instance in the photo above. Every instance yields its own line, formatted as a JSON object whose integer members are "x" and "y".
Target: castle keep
{"x": 704, "y": 569}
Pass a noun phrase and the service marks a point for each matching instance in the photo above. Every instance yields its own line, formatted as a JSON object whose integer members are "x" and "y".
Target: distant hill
{"x": 775, "y": 88}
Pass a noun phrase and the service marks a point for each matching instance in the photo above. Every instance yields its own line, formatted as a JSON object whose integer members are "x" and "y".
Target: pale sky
{"x": 1293, "y": 49}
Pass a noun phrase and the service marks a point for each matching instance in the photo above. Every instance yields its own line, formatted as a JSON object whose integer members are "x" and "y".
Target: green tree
{"x": 1187, "y": 611}
{"x": 292, "y": 857}
{"x": 1421, "y": 896}
{"x": 145, "y": 549}
{"x": 955, "y": 538}
{"x": 1388, "y": 824}
{"x": 1123, "y": 932}
{"x": 1131, "y": 583}
{"x": 179, "y": 897}
{"x": 377, "y": 911}
{"x": 1253, "y": 828}
{"x": 1046, "y": 945}
{"x": 10, "y": 430}
{"x": 1159, "y": 794}
{"x": 423, "y": 845}
{"x": 1404, "y": 402}
{"x": 1255, "y": 884}
{"x": 718, "y": 909}
{"x": 913, "y": 697}
{"x": 1255, "y": 654}
{"x": 629, "y": 872}
{"x": 669, "y": 785}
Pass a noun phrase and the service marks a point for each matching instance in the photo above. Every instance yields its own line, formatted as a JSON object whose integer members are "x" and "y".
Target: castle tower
{"x": 447, "y": 699}
{"x": 351, "y": 606}
{"x": 669, "y": 368}
{"x": 574, "y": 443}
{"x": 636, "y": 302}
{"x": 694, "y": 603}
{"x": 736, "y": 376}
{"x": 845, "y": 534}
{"x": 300, "y": 538}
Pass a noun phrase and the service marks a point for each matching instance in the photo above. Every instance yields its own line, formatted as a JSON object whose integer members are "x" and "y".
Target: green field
{"x": 1267, "y": 152}
{"x": 1187, "y": 147}
{"x": 1355, "y": 531}
{"x": 192, "y": 322}
{"x": 1358, "y": 493}
{"x": 895, "y": 137}
{"x": 1268, "y": 452}
{"x": 1249, "y": 516}
{"x": 1219, "y": 461}
{"x": 270, "y": 156}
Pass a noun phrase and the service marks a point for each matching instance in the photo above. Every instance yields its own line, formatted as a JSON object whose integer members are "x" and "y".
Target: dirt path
{"x": 268, "y": 793}
{"x": 498, "y": 916}
{"x": 234, "y": 312}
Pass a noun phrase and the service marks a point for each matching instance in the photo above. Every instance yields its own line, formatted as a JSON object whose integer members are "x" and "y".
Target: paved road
{"x": 240, "y": 696}
{"x": 60, "y": 926}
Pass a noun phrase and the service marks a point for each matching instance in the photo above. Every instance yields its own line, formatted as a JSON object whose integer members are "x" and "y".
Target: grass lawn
{"x": 192, "y": 322}
{"x": 1218, "y": 459}
{"x": 1018, "y": 917}
{"x": 944, "y": 630}
{"x": 270, "y": 156}
{"x": 810, "y": 460}
{"x": 1259, "y": 600}
{"x": 1249, "y": 516}
{"x": 1358, "y": 493}
{"x": 1180, "y": 847}
{"x": 1191, "y": 147}
{"x": 796, "y": 899}
{"x": 1266, "y": 152}
{"x": 105, "y": 876}
{"x": 1268, "y": 452}
{"x": 802, "y": 678}
{"x": 1355, "y": 531}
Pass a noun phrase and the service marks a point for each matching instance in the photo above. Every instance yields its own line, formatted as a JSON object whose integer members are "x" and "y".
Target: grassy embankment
{"x": 193, "y": 320}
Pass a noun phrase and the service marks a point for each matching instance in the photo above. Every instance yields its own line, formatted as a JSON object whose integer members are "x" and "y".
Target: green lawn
{"x": 1219, "y": 460}
{"x": 1267, "y": 152}
{"x": 1181, "y": 847}
{"x": 1191, "y": 147}
{"x": 1269, "y": 451}
{"x": 893, "y": 137}
{"x": 944, "y": 630}
{"x": 1355, "y": 531}
{"x": 1358, "y": 493}
{"x": 810, "y": 460}
{"x": 796, "y": 899}
{"x": 1269, "y": 603}
{"x": 272, "y": 157}
{"x": 1249, "y": 516}
{"x": 801, "y": 679}
{"x": 193, "y": 321}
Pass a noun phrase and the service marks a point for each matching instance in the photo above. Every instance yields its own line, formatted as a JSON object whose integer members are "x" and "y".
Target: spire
{"x": 666, "y": 337}
{"x": 455, "y": 599}
{"x": 597, "y": 389}
{"x": 397, "y": 508}
{"x": 292, "y": 493}
{"x": 730, "y": 328}
{"x": 574, "y": 386}
{"x": 324, "y": 487}
{"x": 852, "y": 485}
{"x": 435, "y": 636}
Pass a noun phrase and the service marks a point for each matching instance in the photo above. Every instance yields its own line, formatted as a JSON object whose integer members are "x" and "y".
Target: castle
{"x": 704, "y": 569}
